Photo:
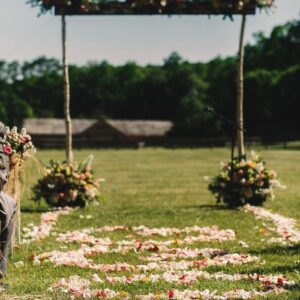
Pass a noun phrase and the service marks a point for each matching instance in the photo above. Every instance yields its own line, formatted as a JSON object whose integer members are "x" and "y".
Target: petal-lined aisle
{"x": 172, "y": 261}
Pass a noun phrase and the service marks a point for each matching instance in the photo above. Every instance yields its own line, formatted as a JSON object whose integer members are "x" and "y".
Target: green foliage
{"x": 177, "y": 90}
{"x": 13, "y": 109}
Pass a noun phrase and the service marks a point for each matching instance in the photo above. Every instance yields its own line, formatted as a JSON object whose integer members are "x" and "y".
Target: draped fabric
{"x": 8, "y": 208}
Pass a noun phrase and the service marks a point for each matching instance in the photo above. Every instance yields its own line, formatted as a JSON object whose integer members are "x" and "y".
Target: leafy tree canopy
{"x": 177, "y": 90}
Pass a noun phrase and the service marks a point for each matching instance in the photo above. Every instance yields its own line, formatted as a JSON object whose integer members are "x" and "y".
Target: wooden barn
{"x": 48, "y": 132}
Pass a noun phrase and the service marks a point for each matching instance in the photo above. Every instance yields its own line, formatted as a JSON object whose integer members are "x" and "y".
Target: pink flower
{"x": 27, "y": 137}
{"x": 82, "y": 176}
{"x": 240, "y": 172}
{"x": 7, "y": 149}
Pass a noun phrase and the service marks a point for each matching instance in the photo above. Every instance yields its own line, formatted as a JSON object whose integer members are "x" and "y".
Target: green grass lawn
{"x": 158, "y": 187}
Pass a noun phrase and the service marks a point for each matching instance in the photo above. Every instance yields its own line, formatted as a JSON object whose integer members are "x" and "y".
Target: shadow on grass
{"x": 34, "y": 209}
{"x": 295, "y": 288}
{"x": 208, "y": 207}
{"x": 279, "y": 269}
{"x": 285, "y": 251}
{"x": 277, "y": 249}
{"x": 282, "y": 269}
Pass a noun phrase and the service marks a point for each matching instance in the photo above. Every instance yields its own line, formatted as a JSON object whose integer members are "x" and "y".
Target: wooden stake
{"x": 240, "y": 92}
{"x": 68, "y": 121}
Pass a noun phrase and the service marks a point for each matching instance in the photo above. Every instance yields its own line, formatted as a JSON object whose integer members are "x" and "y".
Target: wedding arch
{"x": 227, "y": 8}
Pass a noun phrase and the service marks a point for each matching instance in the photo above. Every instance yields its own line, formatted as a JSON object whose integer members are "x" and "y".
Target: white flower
{"x": 19, "y": 264}
{"x": 259, "y": 167}
{"x": 96, "y": 278}
{"x": 207, "y": 178}
{"x": 7, "y": 130}
{"x": 277, "y": 184}
{"x": 36, "y": 262}
{"x": 254, "y": 155}
{"x": 92, "y": 192}
{"x": 243, "y": 244}
{"x": 14, "y": 130}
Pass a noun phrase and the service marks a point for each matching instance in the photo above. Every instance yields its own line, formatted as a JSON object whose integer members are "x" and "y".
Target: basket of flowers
{"x": 68, "y": 184}
{"x": 244, "y": 181}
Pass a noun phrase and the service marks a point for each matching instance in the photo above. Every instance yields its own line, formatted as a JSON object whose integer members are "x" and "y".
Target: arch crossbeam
{"x": 155, "y": 7}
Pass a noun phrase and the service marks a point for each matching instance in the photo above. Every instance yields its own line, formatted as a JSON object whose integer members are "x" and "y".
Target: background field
{"x": 159, "y": 187}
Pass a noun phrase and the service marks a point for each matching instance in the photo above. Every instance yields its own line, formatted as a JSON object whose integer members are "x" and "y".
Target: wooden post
{"x": 240, "y": 92}
{"x": 68, "y": 121}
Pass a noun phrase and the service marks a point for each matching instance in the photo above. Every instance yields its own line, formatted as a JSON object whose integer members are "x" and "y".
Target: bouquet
{"x": 17, "y": 143}
{"x": 67, "y": 184}
{"x": 245, "y": 181}
{"x": 20, "y": 148}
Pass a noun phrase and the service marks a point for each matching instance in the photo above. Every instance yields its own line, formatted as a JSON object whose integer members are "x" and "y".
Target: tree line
{"x": 177, "y": 90}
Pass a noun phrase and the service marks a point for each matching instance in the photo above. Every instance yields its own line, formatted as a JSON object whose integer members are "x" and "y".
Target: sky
{"x": 118, "y": 39}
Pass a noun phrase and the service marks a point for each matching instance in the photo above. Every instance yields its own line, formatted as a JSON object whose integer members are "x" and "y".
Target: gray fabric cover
{"x": 8, "y": 207}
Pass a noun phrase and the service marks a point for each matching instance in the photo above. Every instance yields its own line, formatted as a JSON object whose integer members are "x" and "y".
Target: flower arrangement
{"x": 245, "y": 181}
{"x": 17, "y": 143}
{"x": 19, "y": 146}
{"x": 67, "y": 184}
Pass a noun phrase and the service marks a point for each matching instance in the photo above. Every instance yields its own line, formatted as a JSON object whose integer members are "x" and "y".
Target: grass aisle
{"x": 163, "y": 188}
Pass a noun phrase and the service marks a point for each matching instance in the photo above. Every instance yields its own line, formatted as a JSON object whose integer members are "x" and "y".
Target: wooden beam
{"x": 163, "y": 7}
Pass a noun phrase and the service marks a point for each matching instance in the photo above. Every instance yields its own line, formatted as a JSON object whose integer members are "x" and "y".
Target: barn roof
{"x": 141, "y": 127}
{"x": 51, "y": 126}
{"x": 130, "y": 128}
